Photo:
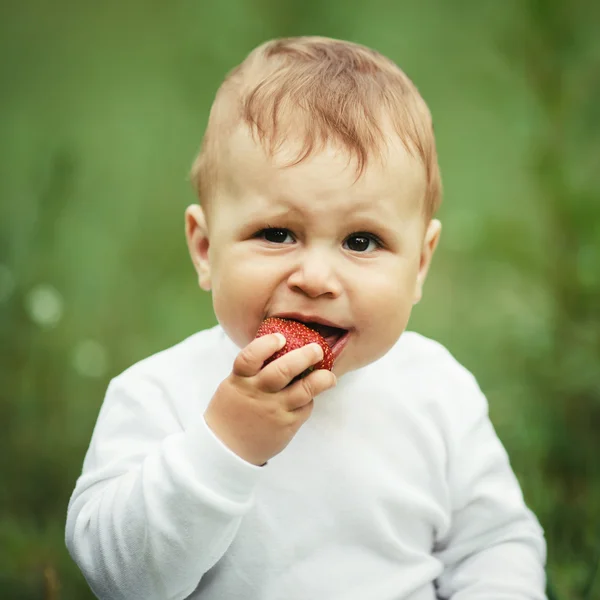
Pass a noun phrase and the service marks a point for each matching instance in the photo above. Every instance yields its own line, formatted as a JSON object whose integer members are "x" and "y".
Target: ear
{"x": 196, "y": 233}
{"x": 430, "y": 242}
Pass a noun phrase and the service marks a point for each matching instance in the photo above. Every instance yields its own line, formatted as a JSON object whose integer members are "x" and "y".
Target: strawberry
{"x": 297, "y": 335}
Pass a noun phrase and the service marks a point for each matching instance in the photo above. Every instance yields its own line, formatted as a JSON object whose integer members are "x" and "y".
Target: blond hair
{"x": 322, "y": 90}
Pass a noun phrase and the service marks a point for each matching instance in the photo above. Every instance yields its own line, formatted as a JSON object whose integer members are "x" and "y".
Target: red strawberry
{"x": 297, "y": 335}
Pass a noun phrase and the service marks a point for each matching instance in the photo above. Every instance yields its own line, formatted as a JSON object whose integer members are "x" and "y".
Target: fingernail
{"x": 281, "y": 338}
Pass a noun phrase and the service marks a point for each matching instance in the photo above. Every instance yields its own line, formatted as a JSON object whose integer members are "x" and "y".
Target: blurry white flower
{"x": 90, "y": 358}
{"x": 7, "y": 283}
{"x": 44, "y": 305}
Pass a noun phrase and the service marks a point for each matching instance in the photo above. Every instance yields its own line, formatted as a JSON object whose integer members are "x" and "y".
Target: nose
{"x": 315, "y": 276}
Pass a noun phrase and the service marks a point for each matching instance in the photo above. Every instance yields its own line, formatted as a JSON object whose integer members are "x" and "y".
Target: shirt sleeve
{"x": 157, "y": 504}
{"x": 495, "y": 546}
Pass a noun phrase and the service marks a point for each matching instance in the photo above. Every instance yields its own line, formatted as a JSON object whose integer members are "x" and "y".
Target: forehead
{"x": 323, "y": 179}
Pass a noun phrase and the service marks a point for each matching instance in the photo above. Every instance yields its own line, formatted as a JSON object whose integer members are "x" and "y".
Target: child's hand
{"x": 253, "y": 412}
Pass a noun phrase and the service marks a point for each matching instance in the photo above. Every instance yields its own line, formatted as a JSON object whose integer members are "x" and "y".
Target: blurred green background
{"x": 102, "y": 108}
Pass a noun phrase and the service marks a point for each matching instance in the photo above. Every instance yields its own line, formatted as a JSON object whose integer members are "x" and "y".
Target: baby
{"x": 213, "y": 475}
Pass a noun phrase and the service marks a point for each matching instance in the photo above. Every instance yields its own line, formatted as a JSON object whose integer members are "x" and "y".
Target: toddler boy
{"x": 211, "y": 476}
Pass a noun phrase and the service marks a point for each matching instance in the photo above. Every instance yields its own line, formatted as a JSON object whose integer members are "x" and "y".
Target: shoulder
{"x": 199, "y": 362}
{"x": 429, "y": 373}
{"x": 208, "y": 346}
{"x": 417, "y": 354}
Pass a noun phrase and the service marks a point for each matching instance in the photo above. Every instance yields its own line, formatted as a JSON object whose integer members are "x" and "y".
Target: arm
{"x": 495, "y": 547}
{"x": 156, "y": 506}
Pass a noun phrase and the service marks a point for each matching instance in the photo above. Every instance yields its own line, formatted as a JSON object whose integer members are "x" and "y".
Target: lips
{"x": 339, "y": 343}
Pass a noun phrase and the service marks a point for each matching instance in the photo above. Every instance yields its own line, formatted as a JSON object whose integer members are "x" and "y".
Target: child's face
{"x": 310, "y": 241}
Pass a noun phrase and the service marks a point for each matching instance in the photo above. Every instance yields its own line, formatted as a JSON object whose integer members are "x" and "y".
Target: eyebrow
{"x": 362, "y": 219}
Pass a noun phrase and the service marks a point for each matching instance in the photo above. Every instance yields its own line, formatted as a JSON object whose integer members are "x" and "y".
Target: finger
{"x": 303, "y": 391}
{"x": 251, "y": 359}
{"x": 301, "y": 414}
{"x": 276, "y": 375}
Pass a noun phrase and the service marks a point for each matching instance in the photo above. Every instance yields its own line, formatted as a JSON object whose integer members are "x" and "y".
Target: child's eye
{"x": 363, "y": 242}
{"x": 275, "y": 235}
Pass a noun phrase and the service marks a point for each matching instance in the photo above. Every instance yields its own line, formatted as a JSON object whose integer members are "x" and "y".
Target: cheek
{"x": 389, "y": 291}
{"x": 233, "y": 273}
{"x": 239, "y": 303}
{"x": 385, "y": 306}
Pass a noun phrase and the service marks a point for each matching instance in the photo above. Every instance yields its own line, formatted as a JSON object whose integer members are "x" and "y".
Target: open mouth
{"x": 335, "y": 337}
{"x": 332, "y": 335}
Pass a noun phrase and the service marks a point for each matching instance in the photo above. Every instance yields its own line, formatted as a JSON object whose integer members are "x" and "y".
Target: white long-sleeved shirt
{"x": 396, "y": 488}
